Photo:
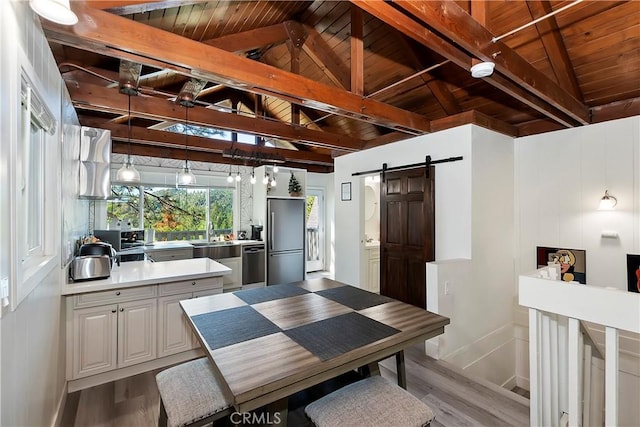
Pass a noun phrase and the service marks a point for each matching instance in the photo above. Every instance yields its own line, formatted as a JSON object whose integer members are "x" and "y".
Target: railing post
{"x": 586, "y": 386}
{"x": 535, "y": 415}
{"x": 574, "y": 373}
{"x": 611, "y": 377}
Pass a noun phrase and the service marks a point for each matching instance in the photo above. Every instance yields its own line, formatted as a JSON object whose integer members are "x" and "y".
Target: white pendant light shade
{"x": 273, "y": 181}
{"x": 607, "y": 202}
{"x": 57, "y": 11}
{"x": 253, "y": 178}
{"x": 265, "y": 179}
{"x": 128, "y": 173}
{"x": 238, "y": 177}
{"x": 185, "y": 177}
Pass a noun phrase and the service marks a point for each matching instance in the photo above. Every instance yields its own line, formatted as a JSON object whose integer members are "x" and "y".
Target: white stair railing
{"x": 560, "y": 356}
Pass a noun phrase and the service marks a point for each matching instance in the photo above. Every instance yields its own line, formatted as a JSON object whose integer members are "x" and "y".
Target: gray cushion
{"x": 190, "y": 392}
{"x": 373, "y": 401}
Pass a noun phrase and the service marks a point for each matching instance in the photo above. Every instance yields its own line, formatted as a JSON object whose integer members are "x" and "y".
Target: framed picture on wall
{"x": 572, "y": 262}
{"x": 346, "y": 191}
{"x": 633, "y": 273}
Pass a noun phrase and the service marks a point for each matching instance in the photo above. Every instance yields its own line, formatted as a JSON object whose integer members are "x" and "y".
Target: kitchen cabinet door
{"x": 94, "y": 340}
{"x": 174, "y": 334}
{"x": 137, "y": 325}
{"x": 233, "y": 281}
{"x": 373, "y": 282}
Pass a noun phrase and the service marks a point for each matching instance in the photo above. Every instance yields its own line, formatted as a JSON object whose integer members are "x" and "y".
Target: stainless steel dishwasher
{"x": 253, "y": 264}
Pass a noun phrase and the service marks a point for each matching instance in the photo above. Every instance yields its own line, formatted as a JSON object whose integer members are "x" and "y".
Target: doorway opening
{"x": 315, "y": 229}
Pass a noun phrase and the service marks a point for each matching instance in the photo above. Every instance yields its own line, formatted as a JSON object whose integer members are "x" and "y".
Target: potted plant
{"x": 295, "y": 189}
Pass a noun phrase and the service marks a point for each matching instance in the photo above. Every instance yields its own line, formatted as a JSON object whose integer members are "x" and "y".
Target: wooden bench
{"x": 190, "y": 395}
{"x": 373, "y": 401}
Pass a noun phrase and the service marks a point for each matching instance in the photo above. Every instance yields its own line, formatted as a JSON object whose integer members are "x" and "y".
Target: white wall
{"x": 452, "y": 194}
{"x": 32, "y": 358}
{"x": 560, "y": 178}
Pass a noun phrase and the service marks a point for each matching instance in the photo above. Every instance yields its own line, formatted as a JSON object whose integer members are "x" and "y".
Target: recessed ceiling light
{"x": 482, "y": 69}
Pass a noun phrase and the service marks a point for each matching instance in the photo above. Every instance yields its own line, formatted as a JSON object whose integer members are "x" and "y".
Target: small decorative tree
{"x": 295, "y": 189}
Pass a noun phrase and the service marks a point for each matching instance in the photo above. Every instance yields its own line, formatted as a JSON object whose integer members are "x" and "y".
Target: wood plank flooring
{"x": 456, "y": 400}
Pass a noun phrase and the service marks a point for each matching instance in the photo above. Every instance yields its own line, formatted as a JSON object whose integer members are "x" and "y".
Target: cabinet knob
{"x": 121, "y": 310}
{"x": 193, "y": 283}
{"x": 113, "y": 311}
{"x": 118, "y": 293}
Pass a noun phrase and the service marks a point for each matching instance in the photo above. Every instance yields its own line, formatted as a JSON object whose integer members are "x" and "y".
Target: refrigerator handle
{"x": 272, "y": 231}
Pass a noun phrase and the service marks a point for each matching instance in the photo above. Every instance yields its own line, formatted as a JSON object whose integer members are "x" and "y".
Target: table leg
{"x": 369, "y": 370}
{"x": 278, "y": 411}
{"x": 402, "y": 375}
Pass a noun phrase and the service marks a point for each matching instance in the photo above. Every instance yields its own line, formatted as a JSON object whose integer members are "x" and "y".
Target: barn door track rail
{"x": 427, "y": 162}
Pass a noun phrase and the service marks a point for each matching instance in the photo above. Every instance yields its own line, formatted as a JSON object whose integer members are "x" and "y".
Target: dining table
{"x": 266, "y": 344}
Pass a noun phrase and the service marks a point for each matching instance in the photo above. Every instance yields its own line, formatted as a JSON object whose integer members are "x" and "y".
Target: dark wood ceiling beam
{"x": 129, "y": 7}
{"x": 437, "y": 87}
{"x": 164, "y": 152}
{"x": 171, "y": 139}
{"x": 386, "y": 139}
{"x": 251, "y": 39}
{"x": 554, "y": 46}
{"x": 476, "y": 118}
{"x": 326, "y": 59}
{"x": 449, "y": 19}
{"x": 123, "y": 38}
{"x": 616, "y": 110}
{"x": 535, "y": 127}
{"x": 96, "y": 98}
{"x": 419, "y": 33}
{"x": 357, "y": 50}
{"x": 479, "y": 11}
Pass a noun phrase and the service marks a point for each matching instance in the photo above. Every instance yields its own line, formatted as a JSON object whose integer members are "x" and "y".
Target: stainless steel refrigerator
{"x": 285, "y": 240}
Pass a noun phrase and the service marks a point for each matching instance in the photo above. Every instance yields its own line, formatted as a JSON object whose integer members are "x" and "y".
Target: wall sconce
{"x": 607, "y": 202}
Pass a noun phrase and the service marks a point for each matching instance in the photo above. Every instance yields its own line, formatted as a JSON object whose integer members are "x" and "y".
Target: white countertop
{"x": 137, "y": 273}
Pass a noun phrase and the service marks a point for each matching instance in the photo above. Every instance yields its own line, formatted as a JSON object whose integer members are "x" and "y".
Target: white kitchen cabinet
{"x": 159, "y": 255}
{"x": 113, "y": 336}
{"x": 94, "y": 340}
{"x": 174, "y": 334}
{"x": 373, "y": 276}
{"x": 232, "y": 282}
{"x": 137, "y": 321}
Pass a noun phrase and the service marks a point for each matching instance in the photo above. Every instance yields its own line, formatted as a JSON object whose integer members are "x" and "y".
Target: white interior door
{"x": 315, "y": 229}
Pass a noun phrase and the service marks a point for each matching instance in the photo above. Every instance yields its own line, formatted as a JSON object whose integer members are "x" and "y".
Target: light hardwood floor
{"x": 456, "y": 400}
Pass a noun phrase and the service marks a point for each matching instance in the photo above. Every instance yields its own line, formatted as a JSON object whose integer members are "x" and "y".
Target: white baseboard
{"x": 57, "y": 416}
{"x": 510, "y": 383}
{"x": 431, "y": 348}
{"x": 523, "y": 382}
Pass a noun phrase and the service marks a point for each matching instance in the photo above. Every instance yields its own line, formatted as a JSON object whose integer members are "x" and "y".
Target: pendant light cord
{"x": 129, "y": 131}
{"x": 186, "y": 135}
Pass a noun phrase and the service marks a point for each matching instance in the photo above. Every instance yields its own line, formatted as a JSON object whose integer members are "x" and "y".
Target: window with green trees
{"x": 174, "y": 213}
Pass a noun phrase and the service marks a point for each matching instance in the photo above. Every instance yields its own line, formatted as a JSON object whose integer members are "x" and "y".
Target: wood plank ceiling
{"x": 314, "y": 79}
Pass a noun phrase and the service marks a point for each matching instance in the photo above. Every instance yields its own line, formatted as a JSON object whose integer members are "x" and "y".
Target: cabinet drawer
{"x": 93, "y": 299}
{"x": 207, "y": 293}
{"x": 170, "y": 255}
{"x": 190, "y": 286}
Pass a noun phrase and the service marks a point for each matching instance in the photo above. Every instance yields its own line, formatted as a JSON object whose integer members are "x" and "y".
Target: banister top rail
{"x": 609, "y": 307}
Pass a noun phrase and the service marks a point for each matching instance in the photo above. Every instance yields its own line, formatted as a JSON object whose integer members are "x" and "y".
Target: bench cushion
{"x": 373, "y": 401}
{"x": 190, "y": 392}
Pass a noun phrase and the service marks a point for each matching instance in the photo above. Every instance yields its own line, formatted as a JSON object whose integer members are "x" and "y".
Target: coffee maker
{"x": 256, "y": 232}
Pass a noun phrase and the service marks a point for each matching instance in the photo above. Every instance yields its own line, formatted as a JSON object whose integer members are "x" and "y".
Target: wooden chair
{"x": 190, "y": 395}
{"x": 373, "y": 401}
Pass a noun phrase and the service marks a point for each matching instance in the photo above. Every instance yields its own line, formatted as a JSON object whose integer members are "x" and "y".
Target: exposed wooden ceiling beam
{"x": 386, "y": 139}
{"x": 476, "y": 118}
{"x": 437, "y": 87}
{"x": 357, "y": 50}
{"x": 197, "y": 156}
{"x": 448, "y": 18}
{"x": 251, "y": 39}
{"x": 96, "y": 98}
{"x": 616, "y": 110}
{"x": 325, "y": 58}
{"x": 171, "y": 139}
{"x": 98, "y": 30}
{"x": 554, "y": 46}
{"x": 129, "y": 7}
{"x": 419, "y": 33}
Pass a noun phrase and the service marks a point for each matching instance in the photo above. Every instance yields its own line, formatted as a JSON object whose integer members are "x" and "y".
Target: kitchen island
{"x": 131, "y": 322}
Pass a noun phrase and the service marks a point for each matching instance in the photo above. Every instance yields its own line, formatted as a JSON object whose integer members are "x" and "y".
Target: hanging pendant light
{"x": 185, "y": 176}
{"x": 238, "y": 177}
{"x": 128, "y": 172}
{"x": 58, "y": 11}
{"x": 229, "y": 178}
{"x": 253, "y": 177}
{"x": 265, "y": 179}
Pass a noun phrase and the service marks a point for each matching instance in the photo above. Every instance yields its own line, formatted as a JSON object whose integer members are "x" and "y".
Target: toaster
{"x": 90, "y": 267}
